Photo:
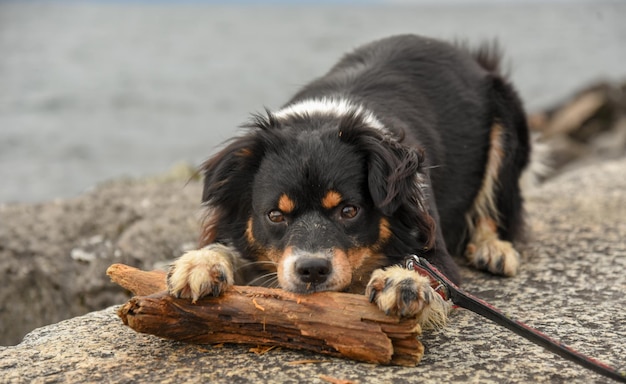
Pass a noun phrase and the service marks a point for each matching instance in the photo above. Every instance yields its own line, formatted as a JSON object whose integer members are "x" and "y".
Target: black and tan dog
{"x": 408, "y": 145}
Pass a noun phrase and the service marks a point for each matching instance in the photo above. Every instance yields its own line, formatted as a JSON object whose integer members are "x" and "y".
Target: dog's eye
{"x": 349, "y": 211}
{"x": 276, "y": 216}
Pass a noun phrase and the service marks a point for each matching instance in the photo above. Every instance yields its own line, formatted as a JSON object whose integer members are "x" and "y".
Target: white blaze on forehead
{"x": 336, "y": 107}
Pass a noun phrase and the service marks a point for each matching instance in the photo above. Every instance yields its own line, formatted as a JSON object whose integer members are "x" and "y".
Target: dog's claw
{"x": 408, "y": 294}
{"x": 372, "y": 295}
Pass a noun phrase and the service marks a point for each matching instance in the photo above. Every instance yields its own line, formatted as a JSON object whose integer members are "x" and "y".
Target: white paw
{"x": 402, "y": 292}
{"x": 494, "y": 255}
{"x": 203, "y": 272}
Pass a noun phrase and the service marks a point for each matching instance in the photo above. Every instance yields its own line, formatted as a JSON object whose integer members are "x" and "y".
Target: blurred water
{"x": 92, "y": 91}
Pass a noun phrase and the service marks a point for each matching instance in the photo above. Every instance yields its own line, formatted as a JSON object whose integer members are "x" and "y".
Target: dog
{"x": 408, "y": 145}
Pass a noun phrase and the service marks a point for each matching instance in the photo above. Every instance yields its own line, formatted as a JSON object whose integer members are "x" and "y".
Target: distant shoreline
{"x": 101, "y": 91}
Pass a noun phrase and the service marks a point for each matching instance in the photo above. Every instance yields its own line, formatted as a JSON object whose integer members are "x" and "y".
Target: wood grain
{"x": 331, "y": 323}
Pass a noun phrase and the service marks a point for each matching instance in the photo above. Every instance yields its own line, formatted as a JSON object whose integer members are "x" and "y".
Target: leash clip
{"x": 424, "y": 268}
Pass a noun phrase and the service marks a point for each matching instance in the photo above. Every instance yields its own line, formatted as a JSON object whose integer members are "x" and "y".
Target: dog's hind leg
{"x": 487, "y": 251}
{"x": 489, "y": 246}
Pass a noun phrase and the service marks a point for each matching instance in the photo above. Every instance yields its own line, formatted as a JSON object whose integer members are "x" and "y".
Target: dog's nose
{"x": 313, "y": 270}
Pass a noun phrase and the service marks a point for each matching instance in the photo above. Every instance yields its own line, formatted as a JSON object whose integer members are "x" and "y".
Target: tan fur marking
{"x": 364, "y": 262}
{"x": 487, "y": 224}
{"x": 361, "y": 262}
{"x": 384, "y": 232}
{"x": 245, "y": 152}
{"x": 285, "y": 204}
{"x": 485, "y": 203}
{"x": 274, "y": 255}
{"x": 331, "y": 200}
{"x": 358, "y": 256}
{"x": 249, "y": 234}
{"x": 262, "y": 254}
{"x": 485, "y": 250}
{"x": 343, "y": 268}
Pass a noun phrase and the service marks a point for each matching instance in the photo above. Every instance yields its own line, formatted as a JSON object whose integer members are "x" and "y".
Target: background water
{"x": 96, "y": 90}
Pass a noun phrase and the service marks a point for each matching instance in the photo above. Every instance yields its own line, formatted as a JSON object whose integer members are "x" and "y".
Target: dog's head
{"x": 321, "y": 200}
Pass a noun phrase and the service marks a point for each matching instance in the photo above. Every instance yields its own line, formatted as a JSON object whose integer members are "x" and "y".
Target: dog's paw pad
{"x": 494, "y": 255}
{"x": 200, "y": 273}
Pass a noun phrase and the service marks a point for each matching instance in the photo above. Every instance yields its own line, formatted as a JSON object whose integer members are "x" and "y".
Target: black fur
{"x": 438, "y": 103}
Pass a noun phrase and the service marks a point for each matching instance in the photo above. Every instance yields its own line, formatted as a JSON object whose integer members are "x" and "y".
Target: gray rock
{"x": 571, "y": 287}
{"x": 53, "y": 256}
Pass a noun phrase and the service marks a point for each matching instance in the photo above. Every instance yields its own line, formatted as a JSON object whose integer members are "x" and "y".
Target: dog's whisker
{"x": 256, "y": 263}
{"x": 271, "y": 283}
{"x": 264, "y": 279}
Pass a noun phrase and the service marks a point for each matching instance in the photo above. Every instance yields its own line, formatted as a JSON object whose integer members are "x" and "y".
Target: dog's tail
{"x": 489, "y": 55}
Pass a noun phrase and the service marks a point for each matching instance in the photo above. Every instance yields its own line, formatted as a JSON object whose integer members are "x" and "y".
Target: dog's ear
{"x": 227, "y": 190}
{"x": 392, "y": 174}
{"x": 228, "y": 177}
{"x": 226, "y": 174}
{"x": 395, "y": 178}
{"x": 397, "y": 183}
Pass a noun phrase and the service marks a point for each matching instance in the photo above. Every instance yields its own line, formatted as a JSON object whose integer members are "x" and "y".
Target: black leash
{"x": 449, "y": 291}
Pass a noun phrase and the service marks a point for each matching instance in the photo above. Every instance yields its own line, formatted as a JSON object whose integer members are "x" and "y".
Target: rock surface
{"x": 53, "y": 256}
{"x": 571, "y": 286}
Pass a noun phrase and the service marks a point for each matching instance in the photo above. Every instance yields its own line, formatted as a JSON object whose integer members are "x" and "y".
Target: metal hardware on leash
{"x": 449, "y": 291}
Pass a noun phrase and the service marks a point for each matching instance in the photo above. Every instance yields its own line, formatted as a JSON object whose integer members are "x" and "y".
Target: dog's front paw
{"x": 402, "y": 292}
{"x": 200, "y": 273}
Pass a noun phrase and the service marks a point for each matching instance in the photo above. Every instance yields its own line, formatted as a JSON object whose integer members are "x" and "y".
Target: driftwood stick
{"x": 332, "y": 323}
{"x": 140, "y": 283}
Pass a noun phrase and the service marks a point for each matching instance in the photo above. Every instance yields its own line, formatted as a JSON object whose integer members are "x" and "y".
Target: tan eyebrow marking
{"x": 285, "y": 204}
{"x": 244, "y": 152}
{"x": 331, "y": 200}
